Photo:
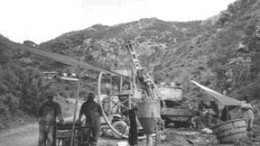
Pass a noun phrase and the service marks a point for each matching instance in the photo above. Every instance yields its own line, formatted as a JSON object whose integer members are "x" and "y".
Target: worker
{"x": 92, "y": 112}
{"x": 133, "y": 131}
{"x": 201, "y": 120}
{"x": 193, "y": 121}
{"x": 215, "y": 109}
{"x": 213, "y": 113}
{"x": 48, "y": 112}
{"x": 202, "y": 106}
{"x": 247, "y": 111}
{"x": 225, "y": 116}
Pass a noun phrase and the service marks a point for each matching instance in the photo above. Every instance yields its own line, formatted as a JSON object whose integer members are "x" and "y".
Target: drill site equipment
{"x": 59, "y": 58}
{"x": 149, "y": 108}
{"x": 145, "y": 84}
{"x": 64, "y": 133}
{"x": 70, "y": 131}
{"x": 232, "y": 130}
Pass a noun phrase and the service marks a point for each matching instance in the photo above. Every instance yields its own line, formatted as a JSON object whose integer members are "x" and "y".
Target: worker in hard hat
{"x": 92, "y": 112}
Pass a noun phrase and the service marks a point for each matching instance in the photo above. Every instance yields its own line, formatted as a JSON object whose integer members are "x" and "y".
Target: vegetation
{"x": 207, "y": 51}
{"x": 222, "y": 53}
{"x": 23, "y": 87}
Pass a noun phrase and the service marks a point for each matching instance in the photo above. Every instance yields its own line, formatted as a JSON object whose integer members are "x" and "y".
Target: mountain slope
{"x": 207, "y": 51}
{"x": 221, "y": 52}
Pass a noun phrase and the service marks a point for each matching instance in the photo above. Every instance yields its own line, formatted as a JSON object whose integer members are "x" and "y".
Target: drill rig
{"x": 140, "y": 92}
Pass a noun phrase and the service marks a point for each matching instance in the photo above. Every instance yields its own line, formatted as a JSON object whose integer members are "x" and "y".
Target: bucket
{"x": 148, "y": 114}
{"x": 230, "y": 131}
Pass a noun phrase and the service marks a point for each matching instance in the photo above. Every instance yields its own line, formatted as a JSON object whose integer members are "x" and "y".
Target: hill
{"x": 23, "y": 86}
{"x": 221, "y": 52}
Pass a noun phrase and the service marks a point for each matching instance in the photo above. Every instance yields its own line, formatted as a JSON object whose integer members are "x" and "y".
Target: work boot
{"x": 93, "y": 144}
{"x": 84, "y": 144}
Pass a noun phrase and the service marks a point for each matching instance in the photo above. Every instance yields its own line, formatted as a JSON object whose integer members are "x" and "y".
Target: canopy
{"x": 227, "y": 101}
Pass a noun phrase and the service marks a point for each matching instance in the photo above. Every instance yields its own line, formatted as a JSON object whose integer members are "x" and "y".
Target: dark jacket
{"x": 92, "y": 112}
{"x": 215, "y": 108}
{"x": 225, "y": 116}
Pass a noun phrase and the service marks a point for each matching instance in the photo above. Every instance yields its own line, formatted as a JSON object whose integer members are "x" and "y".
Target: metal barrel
{"x": 230, "y": 131}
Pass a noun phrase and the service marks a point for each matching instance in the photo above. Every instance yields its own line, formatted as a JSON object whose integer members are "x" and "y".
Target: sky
{"x": 43, "y": 20}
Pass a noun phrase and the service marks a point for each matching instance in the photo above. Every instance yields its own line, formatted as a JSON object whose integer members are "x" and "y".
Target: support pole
{"x": 158, "y": 133}
{"x": 74, "y": 116}
{"x": 148, "y": 140}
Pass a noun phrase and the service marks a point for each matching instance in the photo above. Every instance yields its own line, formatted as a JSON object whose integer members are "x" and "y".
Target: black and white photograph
{"x": 130, "y": 73}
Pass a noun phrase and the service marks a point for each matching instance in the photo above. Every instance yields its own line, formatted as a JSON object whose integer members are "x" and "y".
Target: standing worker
{"x": 133, "y": 131}
{"x": 202, "y": 114}
{"x": 247, "y": 111}
{"x": 48, "y": 112}
{"x": 92, "y": 112}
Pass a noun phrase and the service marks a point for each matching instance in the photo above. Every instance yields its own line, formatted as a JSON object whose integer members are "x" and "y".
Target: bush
{"x": 21, "y": 89}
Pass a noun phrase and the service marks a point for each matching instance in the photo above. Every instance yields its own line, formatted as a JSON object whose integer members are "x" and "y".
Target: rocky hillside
{"x": 104, "y": 44}
{"x": 221, "y": 52}
{"x": 226, "y": 58}
{"x": 23, "y": 86}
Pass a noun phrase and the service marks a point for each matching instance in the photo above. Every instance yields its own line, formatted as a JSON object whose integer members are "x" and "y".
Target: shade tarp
{"x": 218, "y": 96}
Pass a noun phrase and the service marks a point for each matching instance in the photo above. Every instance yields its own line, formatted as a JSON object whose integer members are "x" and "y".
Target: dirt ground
{"x": 187, "y": 137}
{"x": 172, "y": 137}
{"x": 28, "y": 136}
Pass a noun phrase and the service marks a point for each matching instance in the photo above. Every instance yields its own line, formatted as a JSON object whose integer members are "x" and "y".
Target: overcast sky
{"x": 42, "y": 20}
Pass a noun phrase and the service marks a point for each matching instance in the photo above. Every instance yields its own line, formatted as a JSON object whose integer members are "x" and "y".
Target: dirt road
{"x": 21, "y": 136}
{"x": 25, "y": 135}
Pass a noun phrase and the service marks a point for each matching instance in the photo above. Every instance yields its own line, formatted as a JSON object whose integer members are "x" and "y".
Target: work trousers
{"x": 249, "y": 117}
{"x": 46, "y": 134}
{"x": 133, "y": 131}
{"x": 91, "y": 134}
